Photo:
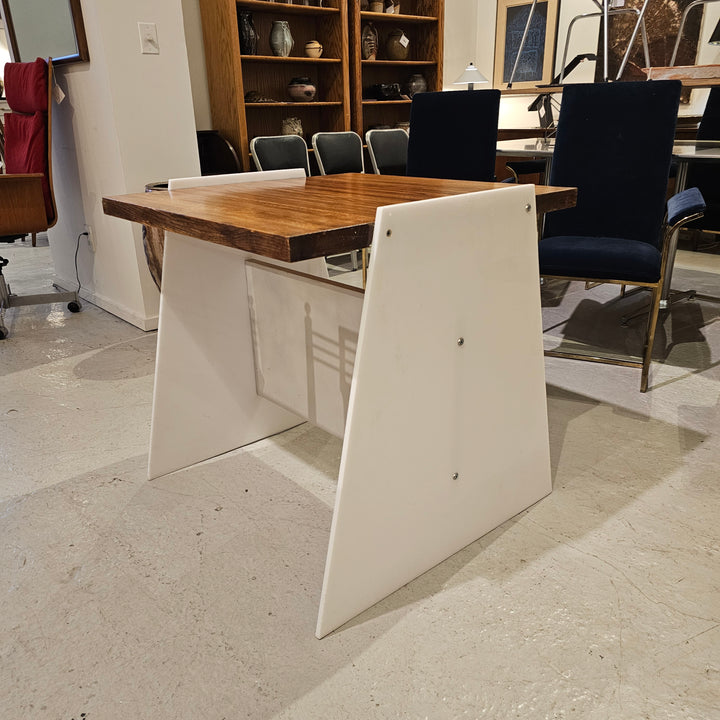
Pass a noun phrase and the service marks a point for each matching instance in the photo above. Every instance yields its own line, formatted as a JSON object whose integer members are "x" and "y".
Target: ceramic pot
{"x": 415, "y": 83}
{"x": 248, "y": 34}
{"x": 364, "y": 4}
{"x": 369, "y": 42}
{"x": 301, "y": 89}
{"x": 313, "y": 49}
{"x": 397, "y": 46}
{"x": 377, "y": 6}
{"x": 281, "y": 39}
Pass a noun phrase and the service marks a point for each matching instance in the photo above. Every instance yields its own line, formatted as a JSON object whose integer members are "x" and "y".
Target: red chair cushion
{"x": 26, "y": 86}
{"x": 26, "y": 149}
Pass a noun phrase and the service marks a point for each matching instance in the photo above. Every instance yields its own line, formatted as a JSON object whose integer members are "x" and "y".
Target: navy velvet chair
{"x": 453, "y": 134}
{"x": 280, "y": 152}
{"x": 705, "y": 175}
{"x": 614, "y": 143}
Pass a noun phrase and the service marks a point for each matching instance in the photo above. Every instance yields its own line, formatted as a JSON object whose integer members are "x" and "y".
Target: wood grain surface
{"x": 297, "y": 219}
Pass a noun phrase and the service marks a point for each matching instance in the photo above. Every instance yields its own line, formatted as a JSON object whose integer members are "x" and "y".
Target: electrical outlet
{"x": 90, "y": 237}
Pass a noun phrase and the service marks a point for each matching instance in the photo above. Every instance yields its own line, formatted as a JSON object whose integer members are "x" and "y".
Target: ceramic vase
{"x": 397, "y": 46}
{"x": 248, "y": 34}
{"x": 377, "y": 6}
{"x": 281, "y": 39}
{"x": 415, "y": 83}
{"x": 313, "y": 49}
{"x": 369, "y": 42}
{"x": 301, "y": 89}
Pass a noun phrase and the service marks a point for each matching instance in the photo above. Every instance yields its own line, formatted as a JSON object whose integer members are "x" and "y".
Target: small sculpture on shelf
{"x": 281, "y": 39}
{"x": 369, "y": 42}
{"x": 292, "y": 126}
{"x": 248, "y": 34}
{"x": 301, "y": 89}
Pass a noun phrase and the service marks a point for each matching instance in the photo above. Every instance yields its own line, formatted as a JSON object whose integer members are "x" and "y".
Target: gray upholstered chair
{"x": 279, "y": 152}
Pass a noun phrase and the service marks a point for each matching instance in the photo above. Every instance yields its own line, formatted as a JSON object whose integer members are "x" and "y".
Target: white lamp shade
{"x": 470, "y": 76}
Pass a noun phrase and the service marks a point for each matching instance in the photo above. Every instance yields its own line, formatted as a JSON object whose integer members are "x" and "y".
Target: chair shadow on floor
{"x": 591, "y": 321}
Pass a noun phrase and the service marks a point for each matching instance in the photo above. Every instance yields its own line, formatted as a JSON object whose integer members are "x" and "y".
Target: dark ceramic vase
{"x": 415, "y": 83}
{"x": 248, "y": 34}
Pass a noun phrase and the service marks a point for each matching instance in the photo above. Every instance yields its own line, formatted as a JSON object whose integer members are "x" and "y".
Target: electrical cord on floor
{"x": 77, "y": 248}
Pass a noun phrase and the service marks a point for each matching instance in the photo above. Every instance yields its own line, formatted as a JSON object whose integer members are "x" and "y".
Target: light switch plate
{"x": 148, "y": 39}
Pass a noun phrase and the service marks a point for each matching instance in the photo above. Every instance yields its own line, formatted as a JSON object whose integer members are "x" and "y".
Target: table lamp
{"x": 470, "y": 76}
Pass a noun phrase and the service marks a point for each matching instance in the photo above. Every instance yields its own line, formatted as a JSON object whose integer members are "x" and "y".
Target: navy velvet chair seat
{"x": 614, "y": 143}
{"x": 600, "y": 258}
{"x": 453, "y": 135}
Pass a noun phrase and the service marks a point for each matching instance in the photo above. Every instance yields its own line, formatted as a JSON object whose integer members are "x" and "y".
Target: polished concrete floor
{"x": 195, "y": 596}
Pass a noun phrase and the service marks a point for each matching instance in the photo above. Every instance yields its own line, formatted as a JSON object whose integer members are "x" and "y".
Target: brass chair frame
{"x": 656, "y": 293}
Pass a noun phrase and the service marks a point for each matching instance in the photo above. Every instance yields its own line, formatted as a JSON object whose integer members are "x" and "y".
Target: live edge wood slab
{"x": 299, "y": 219}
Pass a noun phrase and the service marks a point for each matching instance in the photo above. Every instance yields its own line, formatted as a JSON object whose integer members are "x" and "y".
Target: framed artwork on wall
{"x": 535, "y": 66}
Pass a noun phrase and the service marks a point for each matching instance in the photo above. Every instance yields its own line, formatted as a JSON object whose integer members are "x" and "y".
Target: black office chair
{"x": 453, "y": 134}
{"x": 217, "y": 155}
{"x": 705, "y": 175}
{"x": 280, "y": 152}
{"x": 614, "y": 143}
{"x": 388, "y": 150}
{"x": 338, "y": 152}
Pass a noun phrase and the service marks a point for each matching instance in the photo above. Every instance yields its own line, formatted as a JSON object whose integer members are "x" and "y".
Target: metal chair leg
{"x": 650, "y": 338}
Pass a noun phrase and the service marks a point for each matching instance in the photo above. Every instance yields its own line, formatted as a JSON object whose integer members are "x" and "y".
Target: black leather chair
{"x": 338, "y": 152}
{"x": 453, "y": 134}
{"x": 614, "y": 143}
{"x": 388, "y": 150}
{"x": 280, "y": 152}
{"x": 217, "y": 155}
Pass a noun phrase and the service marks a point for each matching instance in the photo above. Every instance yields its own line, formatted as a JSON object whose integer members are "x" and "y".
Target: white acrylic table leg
{"x": 444, "y": 440}
{"x": 204, "y": 401}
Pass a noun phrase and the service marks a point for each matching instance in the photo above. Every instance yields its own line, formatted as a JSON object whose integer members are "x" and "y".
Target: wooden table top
{"x": 298, "y": 219}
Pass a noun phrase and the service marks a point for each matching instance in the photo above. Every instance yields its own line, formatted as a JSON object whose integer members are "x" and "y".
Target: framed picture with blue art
{"x": 535, "y": 64}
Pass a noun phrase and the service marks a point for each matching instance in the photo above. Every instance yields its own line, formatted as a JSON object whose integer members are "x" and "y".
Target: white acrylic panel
{"x": 305, "y": 334}
{"x": 205, "y": 180}
{"x": 423, "y": 407}
{"x": 204, "y": 401}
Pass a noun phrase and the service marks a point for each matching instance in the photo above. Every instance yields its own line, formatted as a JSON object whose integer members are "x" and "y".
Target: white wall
{"x": 127, "y": 120}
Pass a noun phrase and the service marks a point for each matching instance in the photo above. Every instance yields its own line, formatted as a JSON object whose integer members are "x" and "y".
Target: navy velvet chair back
{"x": 614, "y": 143}
{"x": 706, "y": 174}
{"x": 453, "y": 134}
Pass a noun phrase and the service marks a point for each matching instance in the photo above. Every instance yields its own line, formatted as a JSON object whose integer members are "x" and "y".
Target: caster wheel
{"x": 74, "y": 307}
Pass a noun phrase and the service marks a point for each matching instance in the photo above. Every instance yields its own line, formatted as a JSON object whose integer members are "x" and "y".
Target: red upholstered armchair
{"x": 27, "y": 203}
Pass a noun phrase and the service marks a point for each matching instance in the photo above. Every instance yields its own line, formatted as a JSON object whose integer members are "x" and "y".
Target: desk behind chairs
{"x": 27, "y": 200}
